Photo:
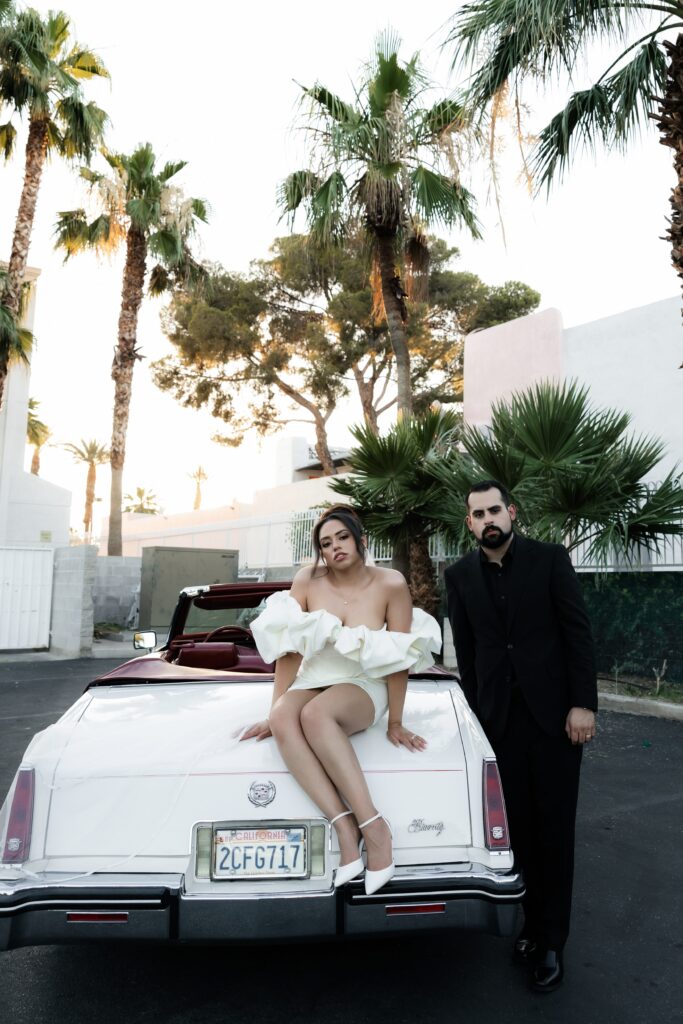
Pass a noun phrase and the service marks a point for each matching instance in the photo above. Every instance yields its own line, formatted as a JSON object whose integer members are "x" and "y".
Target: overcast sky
{"x": 215, "y": 84}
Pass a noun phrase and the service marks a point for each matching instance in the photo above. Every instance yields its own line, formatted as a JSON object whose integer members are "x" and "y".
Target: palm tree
{"x": 137, "y": 205}
{"x": 41, "y": 69}
{"x": 143, "y": 502}
{"x": 400, "y": 485}
{"x": 37, "y": 434}
{"x": 198, "y": 476}
{"x": 388, "y": 165}
{"x": 509, "y": 41}
{"x": 93, "y": 454}
{"x": 16, "y": 341}
{"x": 575, "y": 472}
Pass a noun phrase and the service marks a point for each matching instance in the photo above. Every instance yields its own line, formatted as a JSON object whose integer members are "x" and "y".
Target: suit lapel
{"x": 519, "y": 570}
{"x": 481, "y": 591}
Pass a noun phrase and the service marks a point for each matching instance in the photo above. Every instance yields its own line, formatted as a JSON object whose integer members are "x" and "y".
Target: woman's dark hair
{"x": 350, "y": 519}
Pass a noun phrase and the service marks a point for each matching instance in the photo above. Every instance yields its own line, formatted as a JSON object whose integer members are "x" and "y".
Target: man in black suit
{"x": 527, "y": 668}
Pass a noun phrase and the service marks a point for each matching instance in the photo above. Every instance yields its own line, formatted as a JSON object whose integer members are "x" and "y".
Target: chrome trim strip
{"x": 255, "y": 897}
{"x": 77, "y": 904}
{"x": 454, "y": 894}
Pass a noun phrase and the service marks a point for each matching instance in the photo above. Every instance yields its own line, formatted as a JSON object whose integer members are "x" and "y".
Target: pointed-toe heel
{"x": 374, "y": 880}
{"x": 347, "y": 872}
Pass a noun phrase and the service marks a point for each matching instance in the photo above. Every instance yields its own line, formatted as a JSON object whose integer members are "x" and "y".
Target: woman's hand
{"x": 261, "y": 730}
{"x": 402, "y": 737}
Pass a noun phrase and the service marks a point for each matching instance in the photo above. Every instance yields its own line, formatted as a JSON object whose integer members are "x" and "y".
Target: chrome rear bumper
{"x": 156, "y": 909}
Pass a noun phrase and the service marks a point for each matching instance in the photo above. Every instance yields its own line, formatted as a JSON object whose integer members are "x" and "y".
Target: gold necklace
{"x": 341, "y": 595}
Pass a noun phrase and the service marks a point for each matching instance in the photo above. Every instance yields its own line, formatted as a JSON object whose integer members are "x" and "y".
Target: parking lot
{"x": 624, "y": 961}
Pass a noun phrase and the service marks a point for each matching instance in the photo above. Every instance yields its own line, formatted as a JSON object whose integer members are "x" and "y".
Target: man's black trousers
{"x": 540, "y": 776}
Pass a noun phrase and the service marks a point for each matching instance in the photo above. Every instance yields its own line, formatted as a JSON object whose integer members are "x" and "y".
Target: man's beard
{"x": 495, "y": 538}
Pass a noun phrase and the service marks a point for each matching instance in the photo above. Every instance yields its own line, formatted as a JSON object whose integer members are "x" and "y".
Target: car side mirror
{"x": 145, "y": 641}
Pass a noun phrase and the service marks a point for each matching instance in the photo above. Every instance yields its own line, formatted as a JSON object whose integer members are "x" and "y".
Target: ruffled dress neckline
{"x": 283, "y": 627}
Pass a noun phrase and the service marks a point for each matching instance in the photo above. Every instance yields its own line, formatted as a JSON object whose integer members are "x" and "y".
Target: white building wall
{"x": 629, "y": 362}
{"x": 32, "y": 510}
{"x": 508, "y": 358}
{"x": 259, "y": 530}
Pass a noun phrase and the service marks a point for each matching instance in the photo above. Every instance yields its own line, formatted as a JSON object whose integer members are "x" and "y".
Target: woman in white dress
{"x": 343, "y": 640}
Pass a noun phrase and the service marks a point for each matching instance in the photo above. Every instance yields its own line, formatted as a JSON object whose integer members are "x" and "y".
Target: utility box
{"x": 166, "y": 571}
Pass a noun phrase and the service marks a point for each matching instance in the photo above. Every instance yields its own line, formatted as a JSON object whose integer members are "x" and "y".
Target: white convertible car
{"x": 139, "y": 816}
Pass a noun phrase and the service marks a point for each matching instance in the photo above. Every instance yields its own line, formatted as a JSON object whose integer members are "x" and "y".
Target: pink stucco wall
{"x": 509, "y": 358}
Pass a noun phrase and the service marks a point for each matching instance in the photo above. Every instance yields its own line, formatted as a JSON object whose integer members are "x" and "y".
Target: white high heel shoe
{"x": 345, "y": 872}
{"x": 374, "y": 880}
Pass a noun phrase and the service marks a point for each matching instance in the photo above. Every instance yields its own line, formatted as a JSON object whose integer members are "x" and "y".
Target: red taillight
{"x": 495, "y": 820}
{"x": 400, "y": 909}
{"x": 18, "y": 839}
{"x": 96, "y": 917}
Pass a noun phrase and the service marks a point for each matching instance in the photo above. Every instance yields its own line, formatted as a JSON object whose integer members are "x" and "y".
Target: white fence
{"x": 25, "y": 597}
{"x": 668, "y": 558}
{"x": 302, "y": 547}
{"x": 283, "y": 541}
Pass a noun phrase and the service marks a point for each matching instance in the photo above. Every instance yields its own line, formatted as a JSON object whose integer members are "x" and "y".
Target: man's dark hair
{"x": 486, "y": 485}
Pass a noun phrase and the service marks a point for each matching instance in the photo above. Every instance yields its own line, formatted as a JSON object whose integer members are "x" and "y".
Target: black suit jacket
{"x": 546, "y": 637}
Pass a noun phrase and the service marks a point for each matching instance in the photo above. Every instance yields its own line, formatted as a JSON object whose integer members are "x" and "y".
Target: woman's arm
{"x": 286, "y": 667}
{"x": 399, "y": 620}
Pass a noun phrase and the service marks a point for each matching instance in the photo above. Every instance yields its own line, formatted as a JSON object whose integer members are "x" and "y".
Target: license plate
{"x": 277, "y": 851}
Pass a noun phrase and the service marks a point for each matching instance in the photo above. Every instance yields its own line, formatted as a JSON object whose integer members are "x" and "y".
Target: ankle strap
{"x": 370, "y": 820}
{"x": 338, "y": 816}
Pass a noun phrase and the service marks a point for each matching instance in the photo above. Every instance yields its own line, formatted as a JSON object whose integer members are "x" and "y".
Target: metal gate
{"x": 25, "y": 597}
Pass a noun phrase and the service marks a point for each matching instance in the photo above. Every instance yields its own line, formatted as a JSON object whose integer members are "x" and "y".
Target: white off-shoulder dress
{"x": 334, "y": 653}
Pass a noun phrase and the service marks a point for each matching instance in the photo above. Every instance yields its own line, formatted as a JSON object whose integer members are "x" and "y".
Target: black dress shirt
{"x": 497, "y": 578}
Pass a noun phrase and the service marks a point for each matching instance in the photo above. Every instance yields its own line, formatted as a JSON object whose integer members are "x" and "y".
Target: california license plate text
{"x": 260, "y": 853}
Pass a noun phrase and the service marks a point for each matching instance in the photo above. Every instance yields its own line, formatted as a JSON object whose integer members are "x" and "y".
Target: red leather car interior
{"x": 219, "y": 654}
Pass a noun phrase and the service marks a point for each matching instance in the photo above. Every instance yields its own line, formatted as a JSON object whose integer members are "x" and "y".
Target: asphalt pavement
{"x": 624, "y": 961}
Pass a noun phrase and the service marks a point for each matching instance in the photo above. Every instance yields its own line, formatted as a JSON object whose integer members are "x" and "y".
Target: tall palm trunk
{"x": 197, "y": 497}
{"x": 89, "y": 499}
{"x": 36, "y": 151}
{"x": 670, "y": 123}
{"x": 400, "y": 559}
{"x": 395, "y": 309}
{"x": 423, "y": 583}
{"x": 35, "y": 461}
{"x": 122, "y": 375}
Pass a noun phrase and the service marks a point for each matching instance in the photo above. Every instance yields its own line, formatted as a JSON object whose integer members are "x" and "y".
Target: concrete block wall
{"x": 71, "y": 631}
{"x": 116, "y": 586}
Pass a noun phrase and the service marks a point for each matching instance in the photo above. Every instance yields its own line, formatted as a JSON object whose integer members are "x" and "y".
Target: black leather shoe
{"x": 525, "y": 949}
{"x": 548, "y": 973}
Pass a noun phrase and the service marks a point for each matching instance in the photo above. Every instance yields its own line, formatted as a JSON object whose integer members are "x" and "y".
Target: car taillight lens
{"x": 495, "y": 820}
{"x": 18, "y": 839}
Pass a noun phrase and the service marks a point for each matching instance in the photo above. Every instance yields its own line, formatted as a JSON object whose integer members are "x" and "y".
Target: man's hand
{"x": 580, "y": 725}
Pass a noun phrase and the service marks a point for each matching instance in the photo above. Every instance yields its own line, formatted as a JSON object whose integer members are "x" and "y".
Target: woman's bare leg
{"x": 285, "y": 724}
{"x": 327, "y": 722}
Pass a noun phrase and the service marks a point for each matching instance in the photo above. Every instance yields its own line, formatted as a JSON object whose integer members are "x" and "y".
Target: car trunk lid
{"x": 146, "y": 762}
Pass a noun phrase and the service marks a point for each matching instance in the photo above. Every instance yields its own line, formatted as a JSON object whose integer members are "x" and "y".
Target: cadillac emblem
{"x": 261, "y": 793}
